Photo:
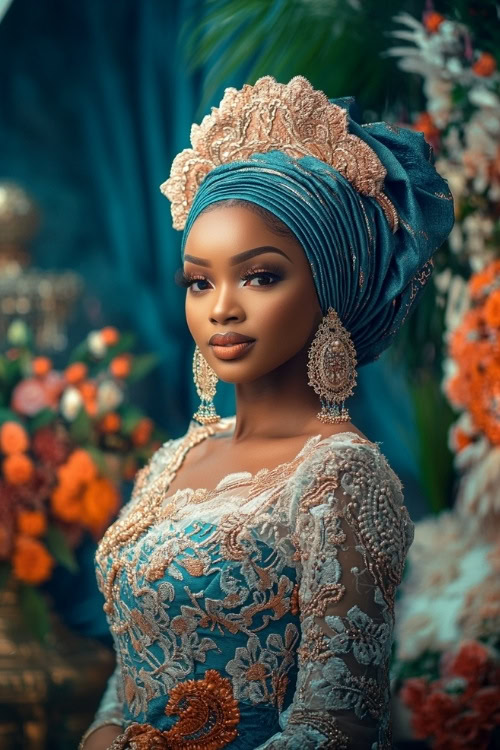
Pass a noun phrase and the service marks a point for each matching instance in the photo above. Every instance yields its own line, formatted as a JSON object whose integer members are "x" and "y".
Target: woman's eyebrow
{"x": 240, "y": 257}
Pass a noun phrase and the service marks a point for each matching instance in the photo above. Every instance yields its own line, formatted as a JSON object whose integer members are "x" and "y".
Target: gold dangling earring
{"x": 205, "y": 381}
{"x": 332, "y": 368}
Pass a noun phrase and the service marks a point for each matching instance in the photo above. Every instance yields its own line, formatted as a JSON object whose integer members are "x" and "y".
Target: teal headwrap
{"x": 370, "y": 275}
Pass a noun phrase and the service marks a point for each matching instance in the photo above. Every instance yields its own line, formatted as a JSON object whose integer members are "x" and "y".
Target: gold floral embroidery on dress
{"x": 335, "y": 739}
{"x": 208, "y": 713}
{"x": 291, "y": 568}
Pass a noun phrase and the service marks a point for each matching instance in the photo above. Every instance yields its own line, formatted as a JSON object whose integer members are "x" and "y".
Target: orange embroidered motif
{"x": 208, "y": 713}
{"x": 294, "y": 600}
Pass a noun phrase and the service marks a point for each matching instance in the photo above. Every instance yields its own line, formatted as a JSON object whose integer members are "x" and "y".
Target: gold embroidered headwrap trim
{"x": 271, "y": 116}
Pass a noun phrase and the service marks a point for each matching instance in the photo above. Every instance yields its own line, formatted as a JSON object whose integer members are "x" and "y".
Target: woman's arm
{"x": 352, "y": 534}
{"x": 109, "y": 721}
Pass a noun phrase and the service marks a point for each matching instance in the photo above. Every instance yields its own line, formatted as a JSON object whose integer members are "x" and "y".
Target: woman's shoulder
{"x": 348, "y": 477}
{"x": 346, "y": 467}
{"x": 345, "y": 452}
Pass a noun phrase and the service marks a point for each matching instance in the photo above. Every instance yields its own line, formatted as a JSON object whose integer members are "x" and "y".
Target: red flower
{"x": 50, "y": 447}
{"x": 486, "y": 702}
{"x": 414, "y": 691}
{"x": 7, "y": 521}
{"x": 471, "y": 662}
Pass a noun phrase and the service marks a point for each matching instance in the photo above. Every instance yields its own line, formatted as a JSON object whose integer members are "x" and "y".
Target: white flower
{"x": 109, "y": 396}
{"x": 458, "y": 302}
{"x": 71, "y": 403}
{"x": 96, "y": 344}
{"x": 17, "y": 333}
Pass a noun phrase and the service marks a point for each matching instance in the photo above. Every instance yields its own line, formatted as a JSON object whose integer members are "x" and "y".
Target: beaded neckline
{"x": 247, "y": 477}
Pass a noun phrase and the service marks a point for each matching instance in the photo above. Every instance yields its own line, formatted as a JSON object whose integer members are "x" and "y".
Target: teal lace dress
{"x": 258, "y": 615}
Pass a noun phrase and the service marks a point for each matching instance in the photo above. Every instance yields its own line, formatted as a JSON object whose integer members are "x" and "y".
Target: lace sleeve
{"x": 110, "y": 709}
{"x": 352, "y": 533}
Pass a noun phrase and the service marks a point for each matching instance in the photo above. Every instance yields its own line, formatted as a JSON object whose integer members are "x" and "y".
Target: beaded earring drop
{"x": 205, "y": 381}
{"x": 332, "y": 368}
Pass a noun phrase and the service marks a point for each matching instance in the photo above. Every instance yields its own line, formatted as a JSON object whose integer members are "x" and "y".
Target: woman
{"x": 250, "y": 582}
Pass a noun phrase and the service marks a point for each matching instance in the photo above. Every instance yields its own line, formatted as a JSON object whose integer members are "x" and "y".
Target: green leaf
{"x": 125, "y": 344}
{"x": 42, "y": 419}
{"x": 6, "y": 415}
{"x": 142, "y": 365}
{"x": 80, "y": 353}
{"x": 81, "y": 428}
{"x": 60, "y": 550}
{"x": 35, "y": 611}
{"x": 4, "y": 574}
{"x": 130, "y": 415}
{"x": 97, "y": 457}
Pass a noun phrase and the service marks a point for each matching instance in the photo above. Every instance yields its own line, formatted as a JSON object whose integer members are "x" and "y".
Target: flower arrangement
{"x": 458, "y": 705}
{"x": 446, "y": 662}
{"x": 461, "y": 122}
{"x": 68, "y": 437}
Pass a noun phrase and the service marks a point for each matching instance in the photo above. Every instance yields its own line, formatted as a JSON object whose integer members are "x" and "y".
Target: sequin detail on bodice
{"x": 281, "y": 582}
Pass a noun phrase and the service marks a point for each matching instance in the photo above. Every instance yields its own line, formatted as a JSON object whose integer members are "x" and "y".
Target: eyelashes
{"x": 272, "y": 273}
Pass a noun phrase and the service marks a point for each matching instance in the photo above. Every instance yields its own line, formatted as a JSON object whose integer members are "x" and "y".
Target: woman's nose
{"x": 226, "y": 306}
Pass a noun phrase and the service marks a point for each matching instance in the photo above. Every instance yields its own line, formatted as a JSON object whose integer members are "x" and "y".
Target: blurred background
{"x": 95, "y": 358}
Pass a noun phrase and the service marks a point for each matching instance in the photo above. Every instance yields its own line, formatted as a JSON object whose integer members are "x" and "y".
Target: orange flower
{"x": 460, "y": 439}
{"x": 82, "y": 466}
{"x": 75, "y": 373}
{"x": 31, "y": 522}
{"x": 141, "y": 434}
{"x": 432, "y": 21}
{"x": 492, "y": 309}
{"x": 31, "y": 562}
{"x": 110, "y": 423}
{"x": 91, "y": 407}
{"x": 41, "y": 366}
{"x": 485, "y": 65}
{"x": 88, "y": 390}
{"x": 110, "y": 335}
{"x": 120, "y": 366}
{"x": 425, "y": 124}
{"x": 13, "y": 438}
{"x": 66, "y": 504}
{"x": 18, "y": 468}
{"x": 482, "y": 279}
{"x": 484, "y": 403}
{"x": 99, "y": 502}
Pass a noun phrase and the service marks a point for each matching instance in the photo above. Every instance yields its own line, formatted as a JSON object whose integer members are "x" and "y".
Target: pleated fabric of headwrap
{"x": 370, "y": 258}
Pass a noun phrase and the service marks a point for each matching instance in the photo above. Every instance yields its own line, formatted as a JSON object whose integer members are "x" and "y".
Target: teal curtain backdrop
{"x": 95, "y": 100}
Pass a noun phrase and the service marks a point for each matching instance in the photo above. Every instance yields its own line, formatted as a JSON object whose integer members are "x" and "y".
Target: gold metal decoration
{"x": 48, "y": 692}
{"x": 271, "y": 116}
{"x": 332, "y": 368}
{"x": 42, "y": 299}
{"x": 205, "y": 381}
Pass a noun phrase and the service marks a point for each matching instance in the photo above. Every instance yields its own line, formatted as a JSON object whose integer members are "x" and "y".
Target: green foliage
{"x": 81, "y": 428}
{"x": 130, "y": 416}
{"x": 336, "y": 45}
{"x": 433, "y": 417}
{"x": 142, "y": 365}
{"x": 4, "y": 575}
{"x": 6, "y": 415}
{"x": 35, "y": 611}
{"x": 59, "y": 549}
{"x": 42, "y": 419}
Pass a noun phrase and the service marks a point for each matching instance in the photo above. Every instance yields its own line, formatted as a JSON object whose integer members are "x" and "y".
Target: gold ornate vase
{"x": 48, "y": 693}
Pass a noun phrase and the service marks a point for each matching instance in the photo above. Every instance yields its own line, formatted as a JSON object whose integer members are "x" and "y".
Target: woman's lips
{"x": 232, "y": 351}
{"x": 230, "y": 345}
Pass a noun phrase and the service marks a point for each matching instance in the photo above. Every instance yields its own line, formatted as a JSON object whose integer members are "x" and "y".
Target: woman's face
{"x": 246, "y": 280}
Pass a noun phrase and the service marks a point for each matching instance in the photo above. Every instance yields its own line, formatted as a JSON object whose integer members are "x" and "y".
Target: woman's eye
{"x": 262, "y": 278}
{"x": 199, "y": 285}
